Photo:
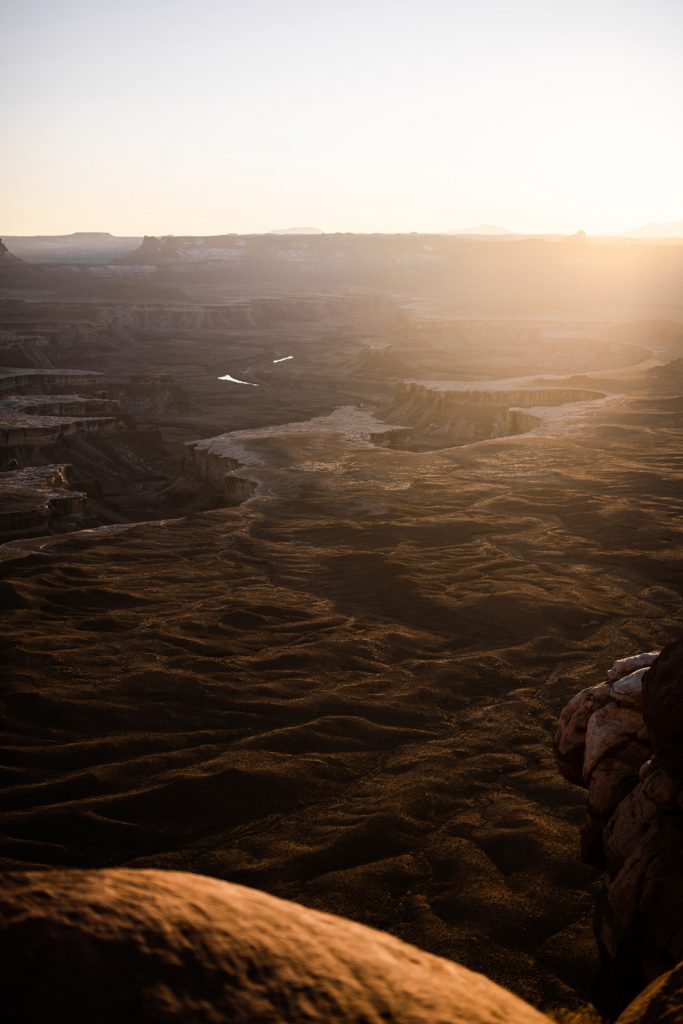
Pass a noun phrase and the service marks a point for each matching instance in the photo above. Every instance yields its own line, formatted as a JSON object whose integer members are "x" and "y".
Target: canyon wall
{"x": 440, "y": 417}
{"x": 219, "y": 472}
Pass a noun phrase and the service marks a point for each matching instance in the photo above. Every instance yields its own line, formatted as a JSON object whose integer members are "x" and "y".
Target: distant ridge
{"x": 672, "y": 230}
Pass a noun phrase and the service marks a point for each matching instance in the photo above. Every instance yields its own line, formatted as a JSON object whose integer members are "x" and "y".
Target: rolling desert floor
{"x": 343, "y": 690}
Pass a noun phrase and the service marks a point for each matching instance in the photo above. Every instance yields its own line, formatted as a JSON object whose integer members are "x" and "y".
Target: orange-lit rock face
{"x": 134, "y": 946}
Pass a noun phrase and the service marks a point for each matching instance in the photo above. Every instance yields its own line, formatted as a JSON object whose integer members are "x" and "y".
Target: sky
{"x": 212, "y": 116}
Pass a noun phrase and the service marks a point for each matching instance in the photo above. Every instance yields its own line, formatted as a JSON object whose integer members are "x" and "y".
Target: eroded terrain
{"x": 343, "y": 689}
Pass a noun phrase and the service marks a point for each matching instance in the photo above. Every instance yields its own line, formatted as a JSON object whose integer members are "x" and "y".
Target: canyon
{"x": 317, "y": 635}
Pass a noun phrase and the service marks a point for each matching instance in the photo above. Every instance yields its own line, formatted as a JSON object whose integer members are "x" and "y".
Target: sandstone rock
{"x": 660, "y": 1003}
{"x": 613, "y": 778}
{"x": 624, "y": 666}
{"x": 629, "y": 689}
{"x": 627, "y": 738}
{"x": 156, "y": 946}
{"x": 570, "y": 738}
{"x": 609, "y": 727}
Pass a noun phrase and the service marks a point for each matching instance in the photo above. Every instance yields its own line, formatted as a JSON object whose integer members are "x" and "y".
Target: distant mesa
{"x": 296, "y": 231}
{"x": 78, "y": 247}
{"x": 152, "y": 245}
{"x": 656, "y": 230}
{"x": 187, "y": 249}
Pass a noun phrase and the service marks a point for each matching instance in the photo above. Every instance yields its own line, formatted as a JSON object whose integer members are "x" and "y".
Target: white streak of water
{"x": 236, "y": 381}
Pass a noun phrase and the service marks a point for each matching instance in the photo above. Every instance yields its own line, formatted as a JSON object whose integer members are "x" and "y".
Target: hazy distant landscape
{"x": 103, "y": 247}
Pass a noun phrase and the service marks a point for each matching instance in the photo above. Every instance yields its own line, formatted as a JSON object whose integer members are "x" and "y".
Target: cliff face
{"x": 442, "y": 418}
{"x": 219, "y": 472}
{"x": 37, "y": 381}
{"x": 623, "y": 741}
{"x": 442, "y": 399}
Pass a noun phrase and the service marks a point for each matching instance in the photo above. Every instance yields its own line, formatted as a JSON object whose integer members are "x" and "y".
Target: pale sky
{"x": 211, "y": 116}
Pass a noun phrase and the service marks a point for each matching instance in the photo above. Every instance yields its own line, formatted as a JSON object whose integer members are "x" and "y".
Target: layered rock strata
{"x": 45, "y": 419}
{"x": 220, "y": 472}
{"x": 442, "y": 415}
{"x": 38, "y": 499}
{"x": 15, "y": 380}
{"x": 622, "y": 740}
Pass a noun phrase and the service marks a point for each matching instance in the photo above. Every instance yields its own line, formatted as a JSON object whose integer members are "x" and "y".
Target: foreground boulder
{"x": 160, "y": 946}
{"x": 623, "y": 741}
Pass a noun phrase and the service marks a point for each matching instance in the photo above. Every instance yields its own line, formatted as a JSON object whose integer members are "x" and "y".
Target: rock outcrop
{"x": 145, "y": 945}
{"x": 38, "y": 500}
{"x": 623, "y": 741}
{"x": 6, "y": 256}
